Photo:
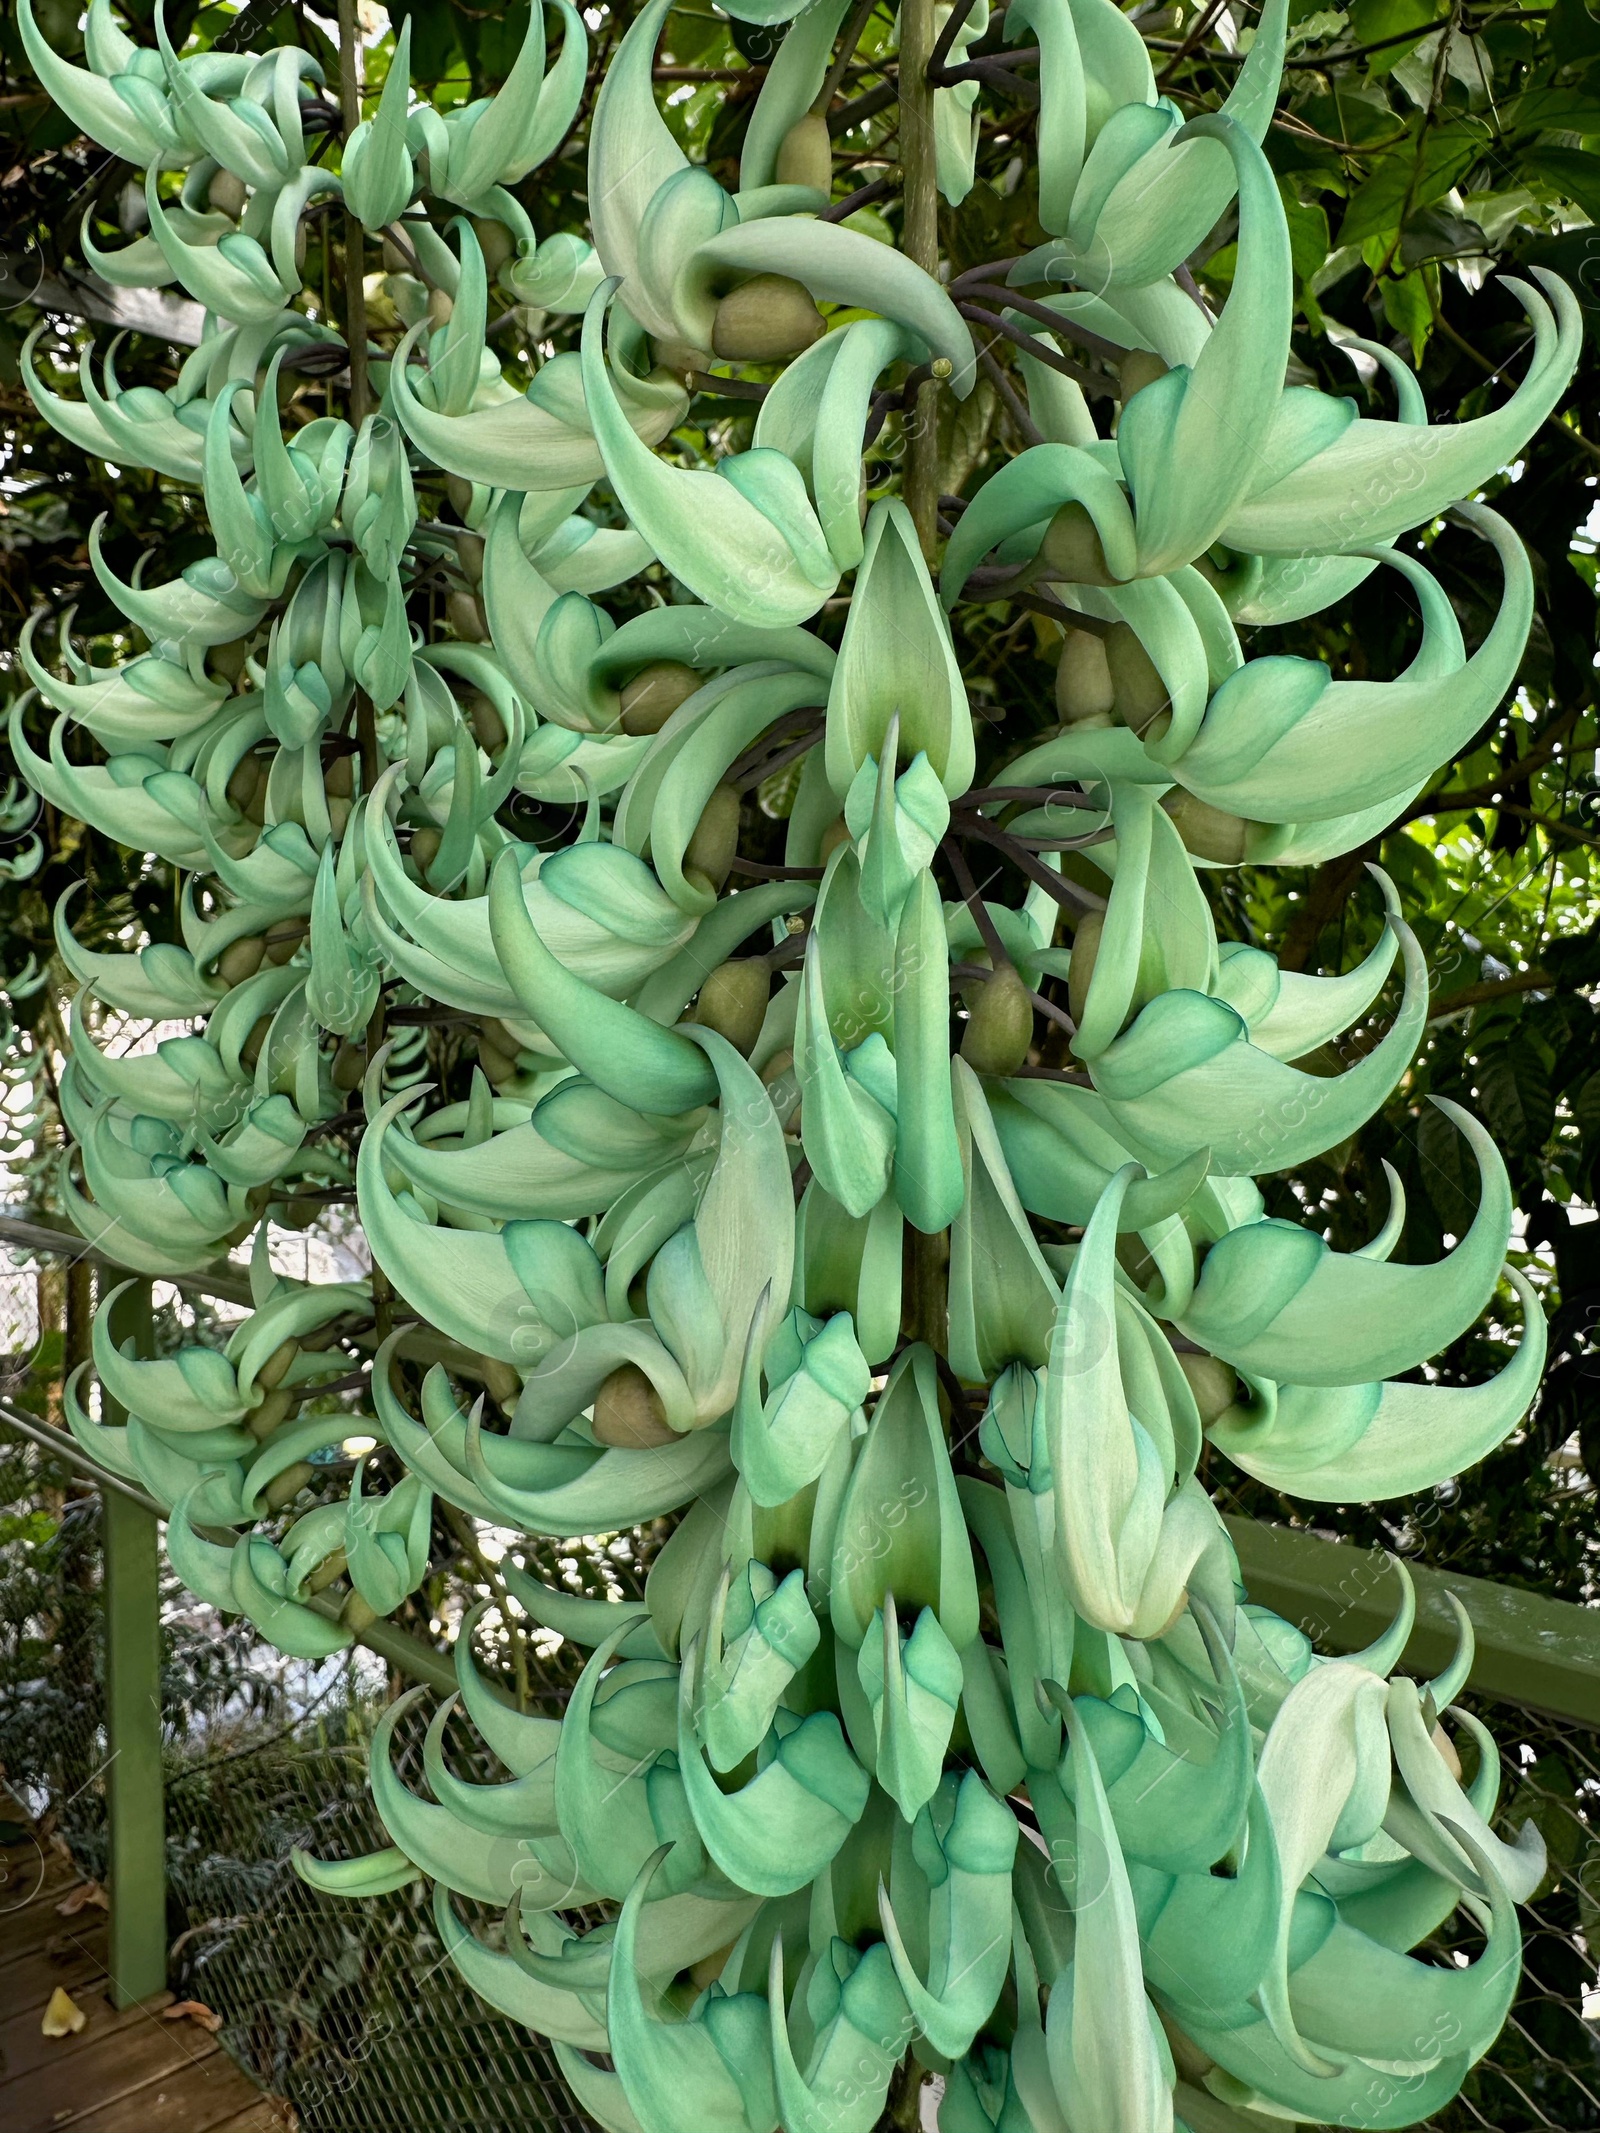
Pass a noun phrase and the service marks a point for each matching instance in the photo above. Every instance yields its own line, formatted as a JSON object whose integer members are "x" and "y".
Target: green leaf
{"x": 1573, "y": 30}
{"x": 1570, "y": 172}
{"x": 1553, "y": 111}
{"x": 1308, "y": 236}
{"x": 1514, "y": 1090}
{"x": 1408, "y": 308}
{"x": 1586, "y": 1118}
{"x": 1372, "y": 21}
{"x": 1447, "y": 1171}
{"x": 435, "y": 47}
{"x": 1405, "y": 180}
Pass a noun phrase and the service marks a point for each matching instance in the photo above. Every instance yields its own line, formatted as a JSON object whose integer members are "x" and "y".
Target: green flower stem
{"x": 355, "y": 295}
{"x": 919, "y": 237}
{"x": 927, "y": 1311}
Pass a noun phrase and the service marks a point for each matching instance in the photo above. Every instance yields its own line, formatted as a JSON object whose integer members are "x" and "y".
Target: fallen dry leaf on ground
{"x": 81, "y": 1897}
{"x": 193, "y": 2011}
{"x": 63, "y": 2017}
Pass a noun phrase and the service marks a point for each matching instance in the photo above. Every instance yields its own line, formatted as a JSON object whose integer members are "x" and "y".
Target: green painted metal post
{"x": 137, "y": 1822}
{"x": 1543, "y": 1655}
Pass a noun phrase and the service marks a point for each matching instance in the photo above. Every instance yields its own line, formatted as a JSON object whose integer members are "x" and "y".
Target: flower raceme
{"x": 945, "y": 1726}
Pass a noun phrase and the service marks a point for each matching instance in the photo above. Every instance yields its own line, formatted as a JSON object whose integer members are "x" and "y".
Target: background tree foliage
{"x": 1426, "y": 150}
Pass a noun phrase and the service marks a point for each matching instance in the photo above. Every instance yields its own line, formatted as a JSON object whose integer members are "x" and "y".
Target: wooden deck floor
{"x": 126, "y": 2070}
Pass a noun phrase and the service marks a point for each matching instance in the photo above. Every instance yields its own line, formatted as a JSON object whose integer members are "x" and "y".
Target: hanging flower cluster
{"x": 944, "y": 1726}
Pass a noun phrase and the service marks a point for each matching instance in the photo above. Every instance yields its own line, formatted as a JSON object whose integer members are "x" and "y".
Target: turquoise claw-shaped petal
{"x": 1275, "y": 1301}
{"x": 860, "y": 2024}
{"x": 1186, "y": 1073}
{"x": 1107, "y": 2056}
{"x": 698, "y": 2075}
{"x": 500, "y": 1980}
{"x": 965, "y": 1841}
{"x": 896, "y": 661}
{"x": 745, "y": 539}
{"x": 1181, "y": 439}
{"x": 778, "y": 1832}
{"x": 378, "y": 176}
{"x": 1363, "y": 1443}
{"x": 900, "y": 1527}
{"x": 927, "y": 1150}
{"x": 118, "y": 112}
{"x": 1280, "y": 736}
{"x": 620, "y": 1050}
{"x": 1369, "y": 481}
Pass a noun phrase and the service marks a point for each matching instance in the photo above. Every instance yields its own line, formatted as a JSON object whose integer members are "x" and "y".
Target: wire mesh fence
{"x": 351, "y": 2011}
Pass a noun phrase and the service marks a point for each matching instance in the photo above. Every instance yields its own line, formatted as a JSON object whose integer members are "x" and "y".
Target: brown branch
{"x": 1200, "y": 31}
{"x": 863, "y": 196}
{"x": 863, "y": 107}
{"x": 758, "y": 872}
{"x": 968, "y": 891}
{"x": 1041, "y": 351}
{"x": 1537, "y": 759}
{"x": 1056, "y": 323}
{"x": 1069, "y": 894}
{"x": 1027, "y": 428}
{"x": 849, "y": 38}
{"x": 1492, "y": 370}
{"x": 1491, "y": 989}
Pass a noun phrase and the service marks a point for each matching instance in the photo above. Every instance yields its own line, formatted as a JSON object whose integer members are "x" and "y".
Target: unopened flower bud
{"x": 357, "y": 1614}
{"x": 654, "y": 693}
{"x": 805, "y": 154}
{"x": 283, "y": 942}
{"x": 1000, "y": 1026}
{"x": 488, "y": 727}
{"x": 227, "y": 660}
{"x": 275, "y": 1408}
{"x": 333, "y": 1566}
{"x": 250, "y": 1050}
{"x": 1139, "y": 368}
{"x": 227, "y": 193}
{"x": 733, "y": 1001}
{"x": 1071, "y": 548}
{"x": 1085, "y": 947}
{"x": 464, "y": 613}
{"x": 711, "y": 851}
{"x": 1214, "y": 1384}
{"x": 276, "y": 1367}
{"x": 469, "y": 552}
{"x": 1209, "y": 832}
{"x": 495, "y": 242}
{"x": 836, "y": 833}
{"x": 1083, "y": 680}
{"x": 1140, "y": 693}
{"x": 247, "y": 787}
{"x": 284, "y": 1487}
{"x": 349, "y": 1066}
{"x": 765, "y": 320}
{"x": 497, "y": 1052}
{"x": 628, "y": 1412}
{"x": 241, "y": 959}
